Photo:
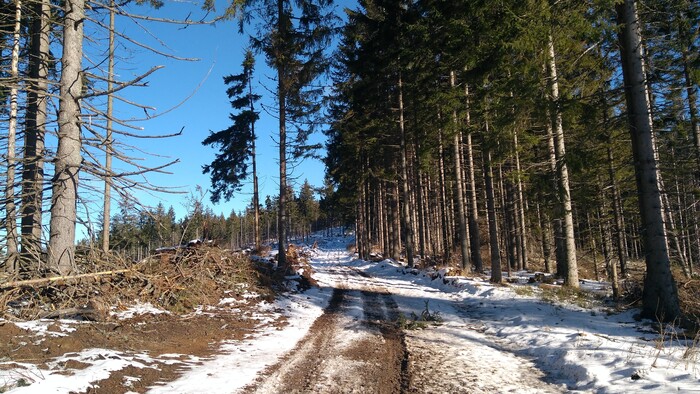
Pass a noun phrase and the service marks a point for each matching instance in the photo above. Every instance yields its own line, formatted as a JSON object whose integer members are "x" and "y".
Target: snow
{"x": 581, "y": 348}
{"x": 57, "y": 379}
{"x": 137, "y": 309}
{"x": 240, "y": 361}
{"x": 42, "y": 327}
{"x": 505, "y": 329}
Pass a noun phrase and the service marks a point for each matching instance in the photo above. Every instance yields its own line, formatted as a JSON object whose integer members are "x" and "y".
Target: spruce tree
{"x": 293, "y": 35}
{"x": 660, "y": 298}
{"x": 237, "y": 142}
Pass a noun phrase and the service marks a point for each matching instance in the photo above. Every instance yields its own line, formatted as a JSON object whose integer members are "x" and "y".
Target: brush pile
{"x": 176, "y": 279}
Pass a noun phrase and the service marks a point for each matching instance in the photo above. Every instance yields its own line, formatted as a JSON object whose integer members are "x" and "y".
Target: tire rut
{"x": 346, "y": 351}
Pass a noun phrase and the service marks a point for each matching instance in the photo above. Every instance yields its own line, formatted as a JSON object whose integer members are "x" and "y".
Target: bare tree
{"x": 108, "y": 139}
{"x": 35, "y": 131}
{"x": 68, "y": 156}
{"x": 12, "y": 260}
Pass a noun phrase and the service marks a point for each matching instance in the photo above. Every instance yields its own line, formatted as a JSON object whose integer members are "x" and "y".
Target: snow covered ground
{"x": 493, "y": 334}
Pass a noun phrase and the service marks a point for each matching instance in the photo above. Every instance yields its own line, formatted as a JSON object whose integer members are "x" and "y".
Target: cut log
{"x": 40, "y": 282}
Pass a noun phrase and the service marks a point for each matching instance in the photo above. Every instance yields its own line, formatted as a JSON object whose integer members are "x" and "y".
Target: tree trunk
{"x": 504, "y": 246}
{"x": 35, "y": 129}
{"x": 256, "y": 194}
{"x": 443, "y": 200}
{"x": 571, "y": 278}
{"x": 368, "y": 214}
{"x": 607, "y": 251}
{"x": 359, "y": 224}
{"x": 475, "y": 241}
{"x": 282, "y": 100}
{"x": 618, "y": 228}
{"x": 510, "y": 223}
{"x": 396, "y": 223}
{"x": 660, "y": 298}
{"x": 544, "y": 231}
{"x": 559, "y": 245}
{"x": 422, "y": 214}
{"x": 496, "y": 276}
{"x": 68, "y": 155}
{"x": 106, "y": 210}
{"x": 381, "y": 226}
{"x": 594, "y": 248}
{"x": 691, "y": 90}
{"x": 11, "y": 244}
{"x": 672, "y": 235}
{"x": 406, "y": 214}
{"x": 459, "y": 185}
{"x": 520, "y": 205}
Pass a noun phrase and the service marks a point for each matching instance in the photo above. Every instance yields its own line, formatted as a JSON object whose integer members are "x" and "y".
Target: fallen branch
{"x": 47, "y": 281}
{"x": 91, "y": 314}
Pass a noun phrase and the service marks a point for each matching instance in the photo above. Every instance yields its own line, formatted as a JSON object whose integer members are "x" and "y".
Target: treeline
{"x": 136, "y": 231}
{"x": 527, "y": 133}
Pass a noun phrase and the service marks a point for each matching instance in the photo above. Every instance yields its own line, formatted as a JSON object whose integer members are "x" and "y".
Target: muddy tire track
{"x": 354, "y": 347}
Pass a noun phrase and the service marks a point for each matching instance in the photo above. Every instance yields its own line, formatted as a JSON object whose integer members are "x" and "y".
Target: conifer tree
{"x": 660, "y": 298}
{"x": 237, "y": 142}
{"x": 293, "y": 35}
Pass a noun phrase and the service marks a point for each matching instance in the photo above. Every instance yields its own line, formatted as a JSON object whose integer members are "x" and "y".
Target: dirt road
{"x": 356, "y": 346}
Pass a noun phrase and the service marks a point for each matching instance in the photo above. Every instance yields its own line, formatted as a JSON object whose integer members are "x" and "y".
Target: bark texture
{"x": 660, "y": 298}
{"x": 571, "y": 277}
{"x": 68, "y": 155}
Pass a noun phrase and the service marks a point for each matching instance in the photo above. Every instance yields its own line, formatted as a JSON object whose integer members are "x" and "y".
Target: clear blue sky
{"x": 219, "y": 49}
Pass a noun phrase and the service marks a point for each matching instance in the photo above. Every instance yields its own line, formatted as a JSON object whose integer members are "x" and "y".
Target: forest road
{"x": 356, "y": 346}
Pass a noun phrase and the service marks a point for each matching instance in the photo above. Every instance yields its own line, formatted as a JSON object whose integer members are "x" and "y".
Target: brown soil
{"x": 177, "y": 280}
{"x": 155, "y": 335}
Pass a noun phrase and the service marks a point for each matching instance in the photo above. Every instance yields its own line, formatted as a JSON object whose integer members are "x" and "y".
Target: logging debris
{"x": 177, "y": 280}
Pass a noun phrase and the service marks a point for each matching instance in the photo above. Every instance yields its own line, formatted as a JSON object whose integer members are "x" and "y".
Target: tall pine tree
{"x": 237, "y": 142}
{"x": 293, "y": 35}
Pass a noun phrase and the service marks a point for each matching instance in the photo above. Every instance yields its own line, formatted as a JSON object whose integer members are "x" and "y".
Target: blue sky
{"x": 194, "y": 95}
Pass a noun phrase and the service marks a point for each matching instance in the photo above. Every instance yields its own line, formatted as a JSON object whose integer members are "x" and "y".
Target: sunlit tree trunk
{"x": 68, "y": 155}
{"x": 559, "y": 245}
{"x": 256, "y": 194}
{"x": 459, "y": 185}
{"x": 11, "y": 244}
{"x": 571, "y": 278}
{"x": 108, "y": 140}
{"x": 406, "y": 214}
{"x": 496, "y": 276}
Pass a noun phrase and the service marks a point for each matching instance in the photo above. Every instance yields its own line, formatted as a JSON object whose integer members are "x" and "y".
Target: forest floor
{"x": 365, "y": 327}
